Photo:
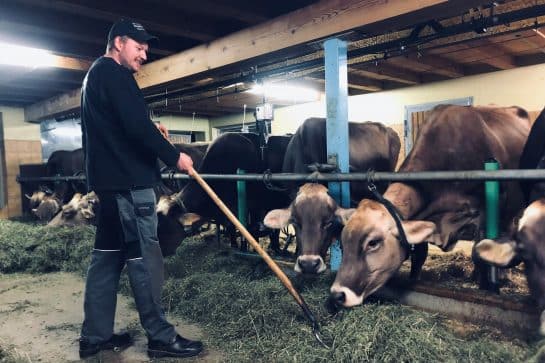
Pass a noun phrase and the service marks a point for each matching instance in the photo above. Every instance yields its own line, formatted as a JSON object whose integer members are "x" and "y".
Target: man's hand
{"x": 163, "y": 130}
{"x": 184, "y": 162}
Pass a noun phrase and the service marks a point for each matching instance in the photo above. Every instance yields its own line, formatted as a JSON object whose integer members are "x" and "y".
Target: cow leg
{"x": 482, "y": 273}
{"x": 418, "y": 257}
{"x": 274, "y": 238}
{"x": 218, "y": 234}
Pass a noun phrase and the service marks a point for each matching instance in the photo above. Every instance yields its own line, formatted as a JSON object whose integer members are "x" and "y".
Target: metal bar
{"x": 458, "y": 175}
{"x": 492, "y": 194}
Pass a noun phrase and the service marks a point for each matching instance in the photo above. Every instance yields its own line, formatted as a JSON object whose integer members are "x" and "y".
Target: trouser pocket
{"x": 139, "y": 222}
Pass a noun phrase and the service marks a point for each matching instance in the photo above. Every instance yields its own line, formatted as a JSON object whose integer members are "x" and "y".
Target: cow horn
{"x": 28, "y": 196}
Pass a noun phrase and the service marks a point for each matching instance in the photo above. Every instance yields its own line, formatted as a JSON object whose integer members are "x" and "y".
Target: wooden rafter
{"x": 428, "y": 63}
{"x": 219, "y": 10}
{"x": 312, "y": 23}
{"x": 181, "y": 29}
{"x": 384, "y": 71}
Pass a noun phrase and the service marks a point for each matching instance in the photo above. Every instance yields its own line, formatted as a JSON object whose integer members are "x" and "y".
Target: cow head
{"x": 35, "y": 199}
{"x": 80, "y": 210}
{"x": 48, "y": 207}
{"x": 525, "y": 245}
{"x": 372, "y": 252}
{"x": 174, "y": 223}
{"x": 317, "y": 220}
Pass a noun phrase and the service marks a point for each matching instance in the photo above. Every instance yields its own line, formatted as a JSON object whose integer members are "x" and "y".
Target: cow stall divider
{"x": 490, "y": 308}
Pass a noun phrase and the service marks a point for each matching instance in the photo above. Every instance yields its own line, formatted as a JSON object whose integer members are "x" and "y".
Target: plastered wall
{"x": 521, "y": 86}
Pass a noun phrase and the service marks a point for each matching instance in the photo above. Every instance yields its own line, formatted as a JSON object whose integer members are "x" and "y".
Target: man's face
{"x": 132, "y": 53}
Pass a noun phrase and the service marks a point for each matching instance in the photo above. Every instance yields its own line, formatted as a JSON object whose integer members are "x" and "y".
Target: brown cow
{"x": 313, "y": 212}
{"x": 527, "y": 238}
{"x": 453, "y": 138}
{"x": 80, "y": 210}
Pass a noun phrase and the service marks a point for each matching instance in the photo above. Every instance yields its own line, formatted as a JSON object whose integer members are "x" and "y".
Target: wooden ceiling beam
{"x": 20, "y": 28}
{"x": 355, "y": 81}
{"x": 183, "y": 29}
{"x": 312, "y": 23}
{"x": 385, "y": 72}
{"x": 218, "y": 10}
{"x": 428, "y": 63}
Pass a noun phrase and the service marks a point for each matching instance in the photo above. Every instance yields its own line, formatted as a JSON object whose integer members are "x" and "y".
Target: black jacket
{"x": 120, "y": 142}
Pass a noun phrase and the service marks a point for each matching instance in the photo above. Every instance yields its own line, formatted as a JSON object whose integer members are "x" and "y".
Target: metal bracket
{"x": 332, "y": 159}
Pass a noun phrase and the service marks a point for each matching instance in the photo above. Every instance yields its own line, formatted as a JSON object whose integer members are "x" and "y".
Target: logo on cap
{"x": 138, "y": 26}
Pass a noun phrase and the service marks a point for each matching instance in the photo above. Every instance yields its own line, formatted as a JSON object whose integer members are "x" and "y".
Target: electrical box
{"x": 264, "y": 112}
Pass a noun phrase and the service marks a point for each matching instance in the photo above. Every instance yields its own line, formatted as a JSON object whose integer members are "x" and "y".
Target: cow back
{"x": 372, "y": 146}
{"x": 533, "y": 157}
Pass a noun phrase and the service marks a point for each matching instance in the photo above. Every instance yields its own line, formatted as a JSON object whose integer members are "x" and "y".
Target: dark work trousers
{"x": 126, "y": 234}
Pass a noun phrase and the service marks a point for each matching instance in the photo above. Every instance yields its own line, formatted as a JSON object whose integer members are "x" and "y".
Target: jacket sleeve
{"x": 132, "y": 112}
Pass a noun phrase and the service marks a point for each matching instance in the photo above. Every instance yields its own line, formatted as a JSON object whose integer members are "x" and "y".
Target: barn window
{"x": 62, "y": 134}
{"x": 415, "y": 116}
{"x": 248, "y": 127}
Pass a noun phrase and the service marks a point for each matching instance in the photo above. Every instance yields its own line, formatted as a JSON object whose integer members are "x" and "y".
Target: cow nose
{"x": 335, "y": 302}
{"x": 338, "y": 297}
{"x": 309, "y": 265}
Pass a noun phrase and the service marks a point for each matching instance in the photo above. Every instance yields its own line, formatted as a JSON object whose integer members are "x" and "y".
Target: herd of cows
{"x": 378, "y": 233}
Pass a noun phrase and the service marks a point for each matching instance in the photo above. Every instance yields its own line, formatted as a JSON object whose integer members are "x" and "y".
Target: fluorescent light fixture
{"x": 286, "y": 92}
{"x": 16, "y": 55}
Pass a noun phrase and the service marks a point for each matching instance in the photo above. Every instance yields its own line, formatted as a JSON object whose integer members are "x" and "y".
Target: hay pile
{"x": 249, "y": 316}
{"x": 37, "y": 248}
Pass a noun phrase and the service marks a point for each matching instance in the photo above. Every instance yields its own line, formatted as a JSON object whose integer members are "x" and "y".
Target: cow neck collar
{"x": 409, "y": 248}
{"x": 178, "y": 199}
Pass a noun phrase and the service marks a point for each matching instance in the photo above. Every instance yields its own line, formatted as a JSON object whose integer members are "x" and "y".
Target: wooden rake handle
{"x": 279, "y": 273}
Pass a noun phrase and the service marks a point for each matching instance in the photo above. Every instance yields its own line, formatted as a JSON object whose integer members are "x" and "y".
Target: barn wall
{"x": 178, "y": 123}
{"x": 521, "y": 86}
{"x": 22, "y": 146}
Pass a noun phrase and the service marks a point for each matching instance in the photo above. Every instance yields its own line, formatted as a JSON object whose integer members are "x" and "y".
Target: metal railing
{"x": 459, "y": 175}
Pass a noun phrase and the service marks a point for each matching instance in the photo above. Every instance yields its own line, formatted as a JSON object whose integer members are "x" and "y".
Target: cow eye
{"x": 374, "y": 243}
{"x": 295, "y": 223}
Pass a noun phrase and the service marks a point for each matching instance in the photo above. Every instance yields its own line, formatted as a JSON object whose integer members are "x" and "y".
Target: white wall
{"x": 521, "y": 86}
{"x": 15, "y": 128}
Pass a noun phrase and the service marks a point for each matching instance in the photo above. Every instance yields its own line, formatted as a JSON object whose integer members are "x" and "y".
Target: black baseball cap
{"x": 133, "y": 30}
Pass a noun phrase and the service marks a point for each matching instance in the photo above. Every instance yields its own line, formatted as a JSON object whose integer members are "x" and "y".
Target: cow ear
{"x": 188, "y": 219}
{"x": 418, "y": 231}
{"x": 499, "y": 254}
{"x": 344, "y": 214}
{"x": 87, "y": 213}
{"x": 277, "y": 218}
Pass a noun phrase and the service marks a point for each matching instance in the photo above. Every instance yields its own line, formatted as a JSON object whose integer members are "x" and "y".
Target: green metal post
{"x": 492, "y": 193}
{"x": 242, "y": 209}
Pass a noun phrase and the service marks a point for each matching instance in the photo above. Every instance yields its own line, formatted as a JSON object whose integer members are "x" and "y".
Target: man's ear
{"x": 277, "y": 218}
{"x": 344, "y": 214}
{"x": 498, "y": 254}
{"x": 418, "y": 231}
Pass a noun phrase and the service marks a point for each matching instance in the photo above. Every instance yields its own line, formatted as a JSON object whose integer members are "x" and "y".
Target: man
{"x": 121, "y": 147}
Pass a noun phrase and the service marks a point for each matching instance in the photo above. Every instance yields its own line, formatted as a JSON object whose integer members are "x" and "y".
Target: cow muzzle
{"x": 310, "y": 264}
{"x": 335, "y": 302}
